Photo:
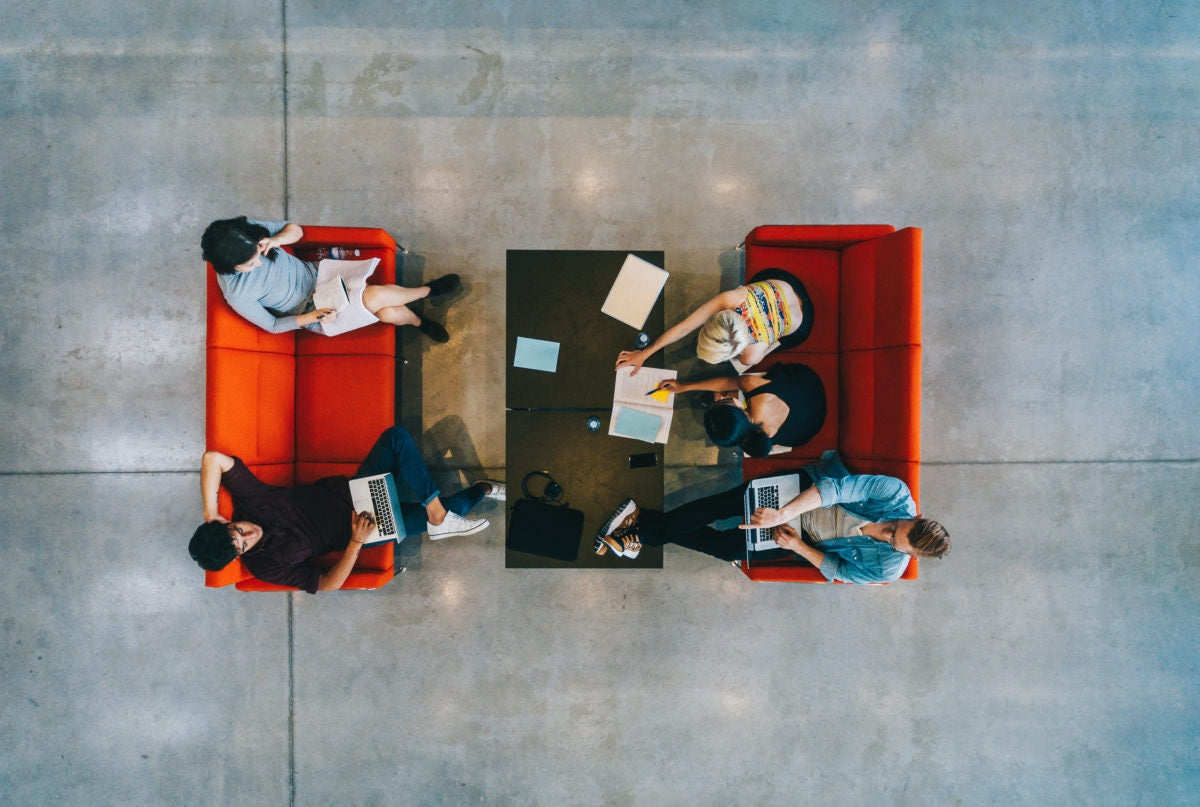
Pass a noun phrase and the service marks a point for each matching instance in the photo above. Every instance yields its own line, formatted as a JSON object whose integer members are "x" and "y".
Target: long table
{"x": 556, "y": 296}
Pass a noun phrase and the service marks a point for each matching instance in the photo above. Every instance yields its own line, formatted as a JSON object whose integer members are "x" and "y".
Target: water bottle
{"x": 343, "y": 253}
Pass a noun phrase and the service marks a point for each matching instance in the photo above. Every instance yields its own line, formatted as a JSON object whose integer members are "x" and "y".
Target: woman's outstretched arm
{"x": 725, "y": 300}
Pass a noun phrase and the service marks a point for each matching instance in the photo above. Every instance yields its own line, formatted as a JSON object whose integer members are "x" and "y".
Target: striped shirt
{"x": 765, "y": 311}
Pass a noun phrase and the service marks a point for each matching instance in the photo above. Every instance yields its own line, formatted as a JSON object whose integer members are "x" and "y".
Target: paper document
{"x": 638, "y": 415}
{"x": 634, "y": 292}
{"x": 351, "y": 275}
{"x": 536, "y": 354}
{"x": 332, "y": 294}
{"x": 636, "y": 424}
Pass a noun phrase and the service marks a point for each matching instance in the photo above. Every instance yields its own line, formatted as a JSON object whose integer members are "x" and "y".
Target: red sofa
{"x": 865, "y": 285}
{"x": 299, "y": 406}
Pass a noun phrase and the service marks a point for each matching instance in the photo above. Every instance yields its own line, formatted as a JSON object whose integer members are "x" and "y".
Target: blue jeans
{"x": 395, "y": 453}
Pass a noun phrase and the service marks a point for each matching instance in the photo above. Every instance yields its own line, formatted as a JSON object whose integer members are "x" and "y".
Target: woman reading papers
{"x": 274, "y": 289}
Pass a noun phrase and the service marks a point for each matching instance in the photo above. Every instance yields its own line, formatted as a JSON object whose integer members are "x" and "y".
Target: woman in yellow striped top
{"x": 742, "y": 323}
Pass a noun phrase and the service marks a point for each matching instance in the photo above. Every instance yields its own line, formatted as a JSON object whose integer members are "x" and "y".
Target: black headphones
{"x": 550, "y": 493}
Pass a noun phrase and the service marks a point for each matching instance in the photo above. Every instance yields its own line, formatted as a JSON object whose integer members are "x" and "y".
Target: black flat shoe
{"x": 443, "y": 285}
{"x": 434, "y": 331}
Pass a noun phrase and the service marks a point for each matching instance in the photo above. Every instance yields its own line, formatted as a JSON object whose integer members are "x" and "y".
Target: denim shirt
{"x": 860, "y": 559}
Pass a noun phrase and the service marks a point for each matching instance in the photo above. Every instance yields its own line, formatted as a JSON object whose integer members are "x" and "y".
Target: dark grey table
{"x": 593, "y": 469}
{"x": 556, "y": 296}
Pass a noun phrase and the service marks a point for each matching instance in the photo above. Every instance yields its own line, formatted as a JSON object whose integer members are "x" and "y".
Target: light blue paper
{"x": 638, "y": 424}
{"x": 536, "y": 354}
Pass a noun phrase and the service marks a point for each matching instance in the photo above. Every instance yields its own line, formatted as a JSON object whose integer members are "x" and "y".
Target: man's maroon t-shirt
{"x": 299, "y": 524}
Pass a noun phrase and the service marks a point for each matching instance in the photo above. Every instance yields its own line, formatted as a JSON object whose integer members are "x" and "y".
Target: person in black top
{"x": 786, "y": 408}
{"x": 277, "y": 531}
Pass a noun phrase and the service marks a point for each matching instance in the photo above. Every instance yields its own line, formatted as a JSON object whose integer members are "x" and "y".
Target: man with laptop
{"x": 854, "y": 528}
{"x": 276, "y": 531}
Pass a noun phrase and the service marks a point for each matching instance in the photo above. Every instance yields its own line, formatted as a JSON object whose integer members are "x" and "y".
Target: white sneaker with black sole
{"x": 498, "y": 491}
{"x": 453, "y": 525}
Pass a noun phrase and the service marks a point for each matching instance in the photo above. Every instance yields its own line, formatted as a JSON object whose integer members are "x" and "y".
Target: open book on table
{"x": 635, "y": 413}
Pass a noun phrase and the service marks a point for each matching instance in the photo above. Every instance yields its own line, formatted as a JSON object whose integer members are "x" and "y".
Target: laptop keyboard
{"x": 382, "y": 507}
{"x": 766, "y": 497}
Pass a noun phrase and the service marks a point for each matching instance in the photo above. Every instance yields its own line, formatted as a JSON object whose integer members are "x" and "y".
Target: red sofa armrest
{"x": 814, "y": 236}
{"x": 798, "y": 571}
{"x": 375, "y": 567}
{"x": 362, "y": 237}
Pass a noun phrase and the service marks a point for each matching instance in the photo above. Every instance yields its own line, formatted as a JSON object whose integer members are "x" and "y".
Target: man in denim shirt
{"x": 854, "y": 528}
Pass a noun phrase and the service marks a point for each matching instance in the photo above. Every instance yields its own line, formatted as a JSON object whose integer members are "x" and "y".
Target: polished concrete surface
{"x": 1049, "y": 152}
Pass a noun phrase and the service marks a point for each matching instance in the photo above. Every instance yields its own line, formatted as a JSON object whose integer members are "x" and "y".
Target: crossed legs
{"x": 396, "y": 453}
{"x": 690, "y": 526}
{"x": 390, "y": 303}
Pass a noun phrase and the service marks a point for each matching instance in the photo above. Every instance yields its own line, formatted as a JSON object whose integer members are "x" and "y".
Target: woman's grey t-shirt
{"x": 273, "y": 294}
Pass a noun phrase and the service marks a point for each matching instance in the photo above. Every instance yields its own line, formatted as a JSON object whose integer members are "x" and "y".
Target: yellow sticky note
{"x": 661, "y": 395}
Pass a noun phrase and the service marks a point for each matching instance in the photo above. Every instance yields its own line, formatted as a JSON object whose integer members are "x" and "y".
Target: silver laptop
{"x": 773, "y": 492}
{"x": 377, "y": 495}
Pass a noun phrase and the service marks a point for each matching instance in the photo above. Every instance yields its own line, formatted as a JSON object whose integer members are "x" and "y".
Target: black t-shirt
{"x": 798, "y": 386}
{"x": 299, "y": 524}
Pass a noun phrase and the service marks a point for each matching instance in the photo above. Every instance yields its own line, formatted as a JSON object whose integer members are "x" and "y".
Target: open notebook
{"x": 638, "y": 415}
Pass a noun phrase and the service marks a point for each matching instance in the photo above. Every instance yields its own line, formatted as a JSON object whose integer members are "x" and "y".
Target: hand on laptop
{"x": 361, "y": 525}
{"x": 787, "y": 538}
{"x": 765, "y": 517}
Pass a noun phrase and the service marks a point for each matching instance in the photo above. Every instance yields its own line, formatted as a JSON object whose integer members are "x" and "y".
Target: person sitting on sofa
{"x": 854, "y": 528}
{"x": 744, "y": 323}
{"x": 784, "y": 408}
{"x": 276, "y": 530}
{"x": 274, "y": 289}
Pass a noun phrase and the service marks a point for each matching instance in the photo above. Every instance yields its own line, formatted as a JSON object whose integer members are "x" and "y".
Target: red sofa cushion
{"x": 343, "y": 403}
{"x": 818, "y": 271}
{"x": 881, "y": 410}
{"x": 251, "y": 405}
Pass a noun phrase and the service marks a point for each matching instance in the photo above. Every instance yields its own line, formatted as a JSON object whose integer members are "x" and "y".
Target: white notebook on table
{"x": 635, "y": 291}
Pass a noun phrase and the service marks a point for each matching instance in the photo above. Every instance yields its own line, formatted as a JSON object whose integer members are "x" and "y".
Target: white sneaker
{"x": 498, "y": 492}
{"x": 454, "y": 524}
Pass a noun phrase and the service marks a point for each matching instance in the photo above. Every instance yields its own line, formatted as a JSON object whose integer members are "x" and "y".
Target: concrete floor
{"x": 1047, "y": 149}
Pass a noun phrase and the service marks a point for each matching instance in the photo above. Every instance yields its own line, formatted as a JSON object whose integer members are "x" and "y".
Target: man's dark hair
{"x": 212, "y": 547}
{"x": 929, "y": 539}
{"x": 229, "y": 243}
{"x": 729, "y": 425}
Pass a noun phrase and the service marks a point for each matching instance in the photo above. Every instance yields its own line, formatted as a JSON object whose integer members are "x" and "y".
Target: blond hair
{"x": 929, "y": 539}
{"x": 722, "y": 337}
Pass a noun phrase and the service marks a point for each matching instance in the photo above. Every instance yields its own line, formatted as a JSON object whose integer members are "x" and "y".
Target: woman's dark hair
{"x": 729, "y": 425}
{"x": 211, "y": 546}
{"x": 228, "y": 243}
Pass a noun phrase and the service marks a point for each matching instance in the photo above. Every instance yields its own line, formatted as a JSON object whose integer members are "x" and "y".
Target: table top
{"x": 593, "y": 469}
{"x": 556, "y": 295}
